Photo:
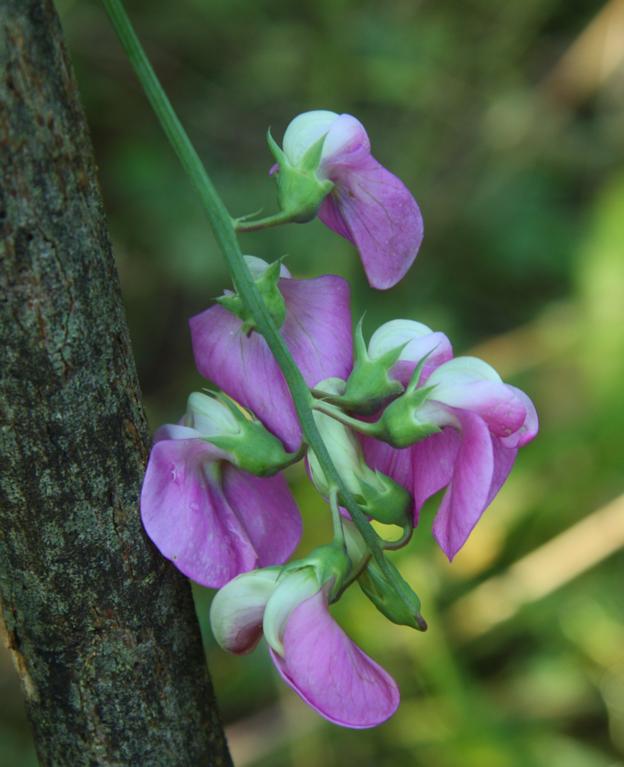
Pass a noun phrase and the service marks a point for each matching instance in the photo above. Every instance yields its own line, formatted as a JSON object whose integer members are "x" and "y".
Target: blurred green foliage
{"x": 511, "y": 136}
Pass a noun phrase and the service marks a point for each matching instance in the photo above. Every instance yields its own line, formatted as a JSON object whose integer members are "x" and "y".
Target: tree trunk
{"x": 101, "y": 628}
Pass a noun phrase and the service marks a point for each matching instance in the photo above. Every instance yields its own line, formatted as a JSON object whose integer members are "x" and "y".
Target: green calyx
{"x": 404, "y": 421}
{"x": 252, "y": 448}
{"x": 299, "y": 189}
{"x": 369, "y": 384}
{"x": 401, "y": 421}
{"x": 386, "y": 599}
{"x": 330, "y": 563}
{"x": 268, "y": 287}
{"x": 385, "y": 500}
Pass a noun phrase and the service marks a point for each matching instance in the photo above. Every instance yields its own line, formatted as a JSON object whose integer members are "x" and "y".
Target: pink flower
{"x": 316, "y": 329}
{"x": 211, "y": 519}
{"x": 480, "y": 423}
{"x": 368, "y": 205}
{"x": 311, "y": 652}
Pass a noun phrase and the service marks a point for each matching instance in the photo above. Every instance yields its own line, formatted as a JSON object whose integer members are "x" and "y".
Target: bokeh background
{"x": 507, "y": 122}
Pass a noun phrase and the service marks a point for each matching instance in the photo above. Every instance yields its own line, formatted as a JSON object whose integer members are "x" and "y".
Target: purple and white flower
{"x": 210, "y": 518}
{"x": 480, "y": 421}
{"x": 316, "y": 329}
{"x": 309, "y": 649}
{"x": 368, "y": 205}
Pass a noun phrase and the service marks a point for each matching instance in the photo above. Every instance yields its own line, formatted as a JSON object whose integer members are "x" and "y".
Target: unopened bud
{"x": 386, "y": 599}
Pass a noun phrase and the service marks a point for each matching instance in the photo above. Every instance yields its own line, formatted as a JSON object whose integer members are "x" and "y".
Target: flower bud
{"x": 246, "y": 441}
{"x": 379, "y": 496}
{"x": 384, "y": 499}
{"x": 385, "y": 598}
{"x": 344, "y": 451}
{"x": 357, "y": 550}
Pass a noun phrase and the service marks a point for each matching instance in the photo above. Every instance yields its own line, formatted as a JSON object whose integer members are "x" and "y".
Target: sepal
{"x": 370, "y": 384}
{"x": 406, "y": 420}
{"x": 251, "y": 446}
{"x": 300, "y": 191}
{"x": 333, "y": 566}
{"x": 266, "y": 278}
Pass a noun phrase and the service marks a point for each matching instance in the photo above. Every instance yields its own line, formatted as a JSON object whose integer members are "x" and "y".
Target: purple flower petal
{"x": 420, "y": 341}
{"x": 468, "y": 493}
{"x": 317, "y": 330}
{"x": 504, "y": 458}
{"x": 529, "y": 427}
{"x": 330, "y": 672}
{"x": 214, "y": 528}
{"x": 433, "y": 463}
{"x": 436, "y": 345}
{"x": 470, "y": 384}
{"x": 346, "y": 144}
{"x": 187, "y": 517}
{"x": 244, "y": 368}
{"x": 267, "y": 511}
{"x": 369, "y": 205}
{"x": 496, "y": 403}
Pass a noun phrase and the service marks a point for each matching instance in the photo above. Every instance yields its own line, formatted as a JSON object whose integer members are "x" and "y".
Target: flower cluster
{"x": 401, "y": 418}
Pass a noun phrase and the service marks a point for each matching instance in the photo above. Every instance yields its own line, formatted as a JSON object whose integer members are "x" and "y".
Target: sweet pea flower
{"x": 476, "y": 423}
{"x": 210, "y": 518}
{"x": 311, "y": 652}
{"x": 316, "y": 329}
{"x": 367, "y": 205}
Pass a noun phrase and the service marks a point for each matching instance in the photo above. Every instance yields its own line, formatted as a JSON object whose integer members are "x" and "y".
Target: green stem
{"x": 339, "y": 536}
{"x": 245, "y": 225}
{"x": 405, "y": 538}
{"x": 223, "y": 228}
{"x": 364, "y": 427}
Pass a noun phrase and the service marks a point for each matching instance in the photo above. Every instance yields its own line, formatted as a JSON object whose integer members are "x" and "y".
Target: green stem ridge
{"x": 225, "y": 234}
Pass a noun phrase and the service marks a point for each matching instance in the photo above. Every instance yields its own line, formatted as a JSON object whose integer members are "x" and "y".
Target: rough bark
{"x": 102, "y": 630}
